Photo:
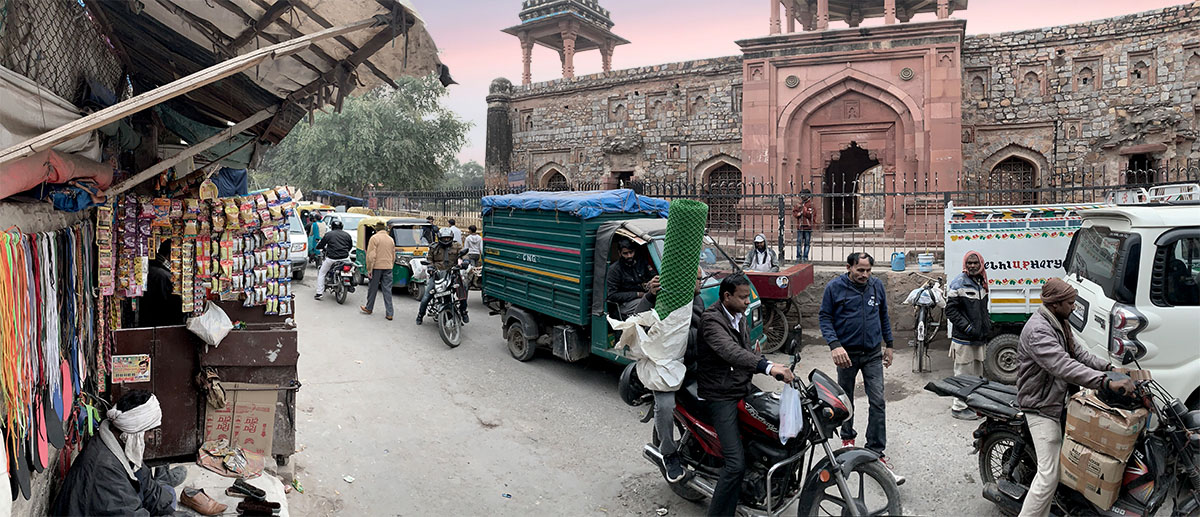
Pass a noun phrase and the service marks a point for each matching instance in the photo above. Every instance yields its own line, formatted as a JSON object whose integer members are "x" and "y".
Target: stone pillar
{"x": 822, "y": 14}
{"x": 889, "y": 12}
{"x": 789, "y": 12}
{"x": 943, "y": 9}
{"x": 568, "y": 54}
{"x": 526, "y": 58}
{"x": 606, "y": 53}
{"x": 774, "y": 16}
{"x": 806, "y": 17}
{"x": 498, "y": 152}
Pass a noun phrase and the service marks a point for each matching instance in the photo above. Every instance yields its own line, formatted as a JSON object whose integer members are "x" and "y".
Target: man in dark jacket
{"x": 105, "y": 480}
{"x": 159, "y": 306}
{"x": 854, "y": 320}
{"x": 1049, "y": 362}
{"x": 337, "y": 245}
{"x": 967, "y": 310}
{"x": 727, "y": 363}
{"x": 631, "y": 283}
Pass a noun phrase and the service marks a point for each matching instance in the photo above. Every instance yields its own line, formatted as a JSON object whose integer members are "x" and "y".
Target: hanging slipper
{"x": 22, "y": 467}
{"x": 40, "y": 452}
{"x": 54, "y": 424}
{"x": 68, "y": 390}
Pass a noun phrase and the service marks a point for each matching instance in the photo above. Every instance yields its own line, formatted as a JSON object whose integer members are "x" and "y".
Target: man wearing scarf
{"x": 761, "y": 258}
{"x": 1049, "y": 363}
{"x": 108, "y": 477}
{"x": 967, "y": 310}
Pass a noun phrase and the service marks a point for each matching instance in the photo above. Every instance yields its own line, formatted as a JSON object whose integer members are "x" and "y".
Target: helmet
{"x": 445, "y": 234}
{"x": 336, "y": 224}
{"x": 760, "y": 238}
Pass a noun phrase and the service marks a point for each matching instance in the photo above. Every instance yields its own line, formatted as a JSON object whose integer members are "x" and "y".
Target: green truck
{"x": 546, "y": 257}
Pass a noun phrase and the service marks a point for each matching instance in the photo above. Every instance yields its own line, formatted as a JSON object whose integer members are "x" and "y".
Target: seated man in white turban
{"x": 108, "y": 477}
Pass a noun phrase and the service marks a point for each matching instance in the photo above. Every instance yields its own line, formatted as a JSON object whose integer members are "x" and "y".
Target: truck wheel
{"x": 519, "y": 345}
{"x": 1000, "y": 363}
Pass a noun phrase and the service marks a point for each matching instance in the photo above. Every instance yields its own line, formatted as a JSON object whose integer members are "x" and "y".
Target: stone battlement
{"x": 1167, "y": 19}
{"x": 712, "y": 66}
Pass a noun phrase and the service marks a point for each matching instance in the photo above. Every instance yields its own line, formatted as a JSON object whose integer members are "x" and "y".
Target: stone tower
{"x": 566, "y": 26}
{"x": 498, "y": 153}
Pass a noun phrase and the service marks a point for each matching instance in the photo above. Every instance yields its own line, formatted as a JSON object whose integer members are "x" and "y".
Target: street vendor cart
{"x": 778, "y": 291}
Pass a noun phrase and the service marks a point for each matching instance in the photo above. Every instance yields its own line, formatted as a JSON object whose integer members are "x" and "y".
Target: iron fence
{"x": 875, "y": 212}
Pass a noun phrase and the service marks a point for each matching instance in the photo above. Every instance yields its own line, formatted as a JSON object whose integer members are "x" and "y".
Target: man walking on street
{"x": 854, "y": 320}
{"x": 337, "y": 245}
{"x": 967, "y": 310}
{"x": 804, "y": 214}
{"x": 726, "y": 365}
{"x": 381, "y": 254}
{"x": 1048, "y": 363}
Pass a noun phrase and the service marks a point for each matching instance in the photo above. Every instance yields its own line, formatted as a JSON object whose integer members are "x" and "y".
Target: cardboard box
{"x": 248, "y": 419}
{"x": 1095, "y": 475}
{"x": 1108, "y": 430}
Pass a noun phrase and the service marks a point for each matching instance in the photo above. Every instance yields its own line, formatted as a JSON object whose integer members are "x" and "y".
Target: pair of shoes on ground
{"x": 886, "y": 461}
{"x": 364, "y": 310}
{"x": 200, "y": 502}
{"x": 255, "y": 499}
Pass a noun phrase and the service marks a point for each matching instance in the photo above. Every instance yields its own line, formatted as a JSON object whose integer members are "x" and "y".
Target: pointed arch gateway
{"x": 834, "y": 131}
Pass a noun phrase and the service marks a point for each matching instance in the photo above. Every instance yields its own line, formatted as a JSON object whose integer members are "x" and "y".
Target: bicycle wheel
{"x": 922, "y": 354}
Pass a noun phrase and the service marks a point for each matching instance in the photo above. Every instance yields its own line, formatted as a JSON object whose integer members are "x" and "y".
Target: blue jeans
{"x": 724, "y": 418}
{"x": 803, "y": 244}
{"x": 870, "y": 363}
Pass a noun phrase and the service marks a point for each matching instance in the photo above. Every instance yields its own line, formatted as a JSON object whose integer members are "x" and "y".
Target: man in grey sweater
{"x": 1049, "y": 363}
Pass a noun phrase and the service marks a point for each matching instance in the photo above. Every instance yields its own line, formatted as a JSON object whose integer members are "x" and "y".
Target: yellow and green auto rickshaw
{"x": 411, "y": 242}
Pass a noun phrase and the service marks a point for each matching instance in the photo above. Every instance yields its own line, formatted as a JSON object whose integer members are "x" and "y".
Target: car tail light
{"x": 1124, "y": 322}
{"x": 299, "y": 246}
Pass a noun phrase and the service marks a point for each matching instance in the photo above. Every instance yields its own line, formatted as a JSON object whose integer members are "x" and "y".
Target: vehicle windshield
{"x": 349, "y": 221}
{"x": 714, "y": 262}
{"x": 409, "y": 236}
{"x": 294, "y": 225}
{"x": 1107, "y": 258}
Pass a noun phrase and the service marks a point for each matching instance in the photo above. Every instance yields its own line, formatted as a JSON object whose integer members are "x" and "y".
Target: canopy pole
{"x": 207, "y": 144}
{"x": 174, "y": 89}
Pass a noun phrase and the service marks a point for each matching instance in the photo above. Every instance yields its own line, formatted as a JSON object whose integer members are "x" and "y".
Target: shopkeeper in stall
{"x": 108, "y": 477}
{"x": 159, "y": 306}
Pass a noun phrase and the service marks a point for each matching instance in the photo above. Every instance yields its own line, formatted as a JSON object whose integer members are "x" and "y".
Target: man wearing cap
{"x": 1049, "y": 362}
{"x": 761, "y": 258}
{"x": 380, "y": 257}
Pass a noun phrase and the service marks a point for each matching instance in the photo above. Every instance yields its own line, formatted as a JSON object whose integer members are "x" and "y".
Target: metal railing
{"x": 876, "y": 212}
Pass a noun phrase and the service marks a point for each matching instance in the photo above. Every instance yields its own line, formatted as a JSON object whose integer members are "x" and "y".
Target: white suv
{"x": 1136, "y": 265}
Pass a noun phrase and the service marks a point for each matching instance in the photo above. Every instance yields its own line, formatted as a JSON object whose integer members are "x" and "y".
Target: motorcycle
{"x": 776, "y": 474}
{"x": 340, "y": 279}
{"x": 1165, "y": 461}
{"x": 444, "y": 305}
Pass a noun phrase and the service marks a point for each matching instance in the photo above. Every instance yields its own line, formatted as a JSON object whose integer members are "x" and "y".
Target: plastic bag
{"x": 657, "y": 345}
{"x": 791, "y": 419}
{"x": 212, "y": 326}
{"x": 419, "y": 270}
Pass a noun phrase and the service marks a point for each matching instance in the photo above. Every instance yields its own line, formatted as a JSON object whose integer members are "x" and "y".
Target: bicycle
{"x": 926, "y": 298}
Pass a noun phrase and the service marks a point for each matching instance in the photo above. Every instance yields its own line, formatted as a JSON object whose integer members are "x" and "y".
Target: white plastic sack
{"x": 212, "y": 326}
{"x": 657, "y": 345}
{"x": 791, "y": 420}
{"x": 419, "y": 270}
{"x": 922, "y": 295}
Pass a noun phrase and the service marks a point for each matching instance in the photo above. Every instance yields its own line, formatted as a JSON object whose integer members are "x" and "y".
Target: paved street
{"x": 425, "y": 429}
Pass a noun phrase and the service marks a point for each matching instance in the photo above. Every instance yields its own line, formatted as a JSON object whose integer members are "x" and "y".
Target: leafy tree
{"x": 464, "y": 176}
{"x": 391, "y": 139}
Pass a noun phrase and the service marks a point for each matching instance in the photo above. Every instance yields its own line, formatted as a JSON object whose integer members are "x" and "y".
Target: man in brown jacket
{"x": 1049, "y": 362}
{"x": 381, "y": 255}
{"x": 727, "y": 362}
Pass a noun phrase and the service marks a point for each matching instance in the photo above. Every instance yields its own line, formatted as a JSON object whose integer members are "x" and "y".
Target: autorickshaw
{"x": 409, "y": 235}
{"x": 546, "y": 258}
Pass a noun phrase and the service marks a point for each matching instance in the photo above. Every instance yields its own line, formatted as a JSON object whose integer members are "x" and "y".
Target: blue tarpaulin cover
{"x": 585, "y": 205}
{"x": 231, "y": 182}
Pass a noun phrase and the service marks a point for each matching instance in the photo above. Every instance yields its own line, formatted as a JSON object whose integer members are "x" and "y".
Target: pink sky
{"x": 664, "y": 31}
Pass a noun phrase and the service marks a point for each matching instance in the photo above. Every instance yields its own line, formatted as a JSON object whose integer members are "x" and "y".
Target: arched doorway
{"x": 724, "y": 193}
{"x": 842, "y": 182}
{"x": 1011, "y": 182}
{"x": 555, "y": 181}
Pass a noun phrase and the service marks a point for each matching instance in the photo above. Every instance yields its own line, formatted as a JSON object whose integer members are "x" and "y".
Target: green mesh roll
{"x": 681, "y": 255}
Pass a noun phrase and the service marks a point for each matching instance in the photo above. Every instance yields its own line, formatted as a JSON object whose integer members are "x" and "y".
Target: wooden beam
{"x": 176, "y": 88}
{"x": 273, "y": 13}
{"x": 209, "y": 143}
{"x": 236, "y": 9}
{"x": 316, "y": 17}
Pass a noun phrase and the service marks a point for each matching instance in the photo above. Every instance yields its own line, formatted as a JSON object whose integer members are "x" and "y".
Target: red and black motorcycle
{"x": 777, "y": 474}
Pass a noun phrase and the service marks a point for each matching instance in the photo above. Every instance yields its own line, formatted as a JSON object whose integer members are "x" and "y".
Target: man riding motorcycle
{"x": 726, "y": 366}
{"x": 337, "y": 245}
{"x": 1049, "y": 362}
{"x": 443, "y": 255}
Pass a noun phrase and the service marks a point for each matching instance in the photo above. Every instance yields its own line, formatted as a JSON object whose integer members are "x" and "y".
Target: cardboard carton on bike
{"x": 1107, "y": 430}
{"x": 1095, "y": 475}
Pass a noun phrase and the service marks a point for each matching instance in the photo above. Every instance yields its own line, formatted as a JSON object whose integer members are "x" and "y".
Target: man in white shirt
{"x": 457, "y": 232}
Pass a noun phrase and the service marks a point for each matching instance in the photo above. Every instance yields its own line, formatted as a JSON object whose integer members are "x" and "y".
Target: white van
{"x": 1136, "y": 264}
